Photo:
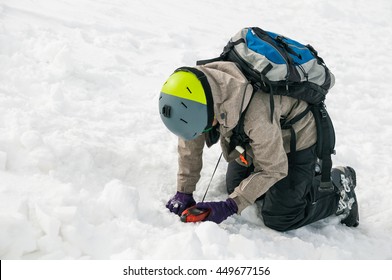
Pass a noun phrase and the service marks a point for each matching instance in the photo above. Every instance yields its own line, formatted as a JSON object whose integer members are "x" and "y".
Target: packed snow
{"x": 86, "y": 165}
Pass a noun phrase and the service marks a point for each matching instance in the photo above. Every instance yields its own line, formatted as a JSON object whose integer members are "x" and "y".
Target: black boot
{"x": 344, "y": 178}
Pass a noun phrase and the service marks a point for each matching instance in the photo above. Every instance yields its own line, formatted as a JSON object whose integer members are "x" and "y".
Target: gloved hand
{"x": 179, "y": 202}
{"x": 220, "y": 210}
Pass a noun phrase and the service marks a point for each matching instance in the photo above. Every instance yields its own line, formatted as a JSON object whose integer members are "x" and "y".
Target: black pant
{"x": 295, "y": 200}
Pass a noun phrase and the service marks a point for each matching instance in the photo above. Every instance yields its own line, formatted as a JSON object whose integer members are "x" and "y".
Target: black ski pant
{"x": 295, "y": 200}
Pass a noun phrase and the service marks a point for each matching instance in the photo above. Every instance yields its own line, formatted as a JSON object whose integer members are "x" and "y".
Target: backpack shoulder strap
{"x": 239, "y": 137}
{"x": 205, "y": 61}
{"x": 325, "y": 145}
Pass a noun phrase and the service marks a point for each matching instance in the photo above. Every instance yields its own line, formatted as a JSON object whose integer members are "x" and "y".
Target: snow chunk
{"x": 43, "y": 158}
{"x": 31, "y": 139}
{"x": 213, "y": 238}
{"x": 16, "y": 236}
{"x": 120, "y": 199}
{"x": 47, "y": 222}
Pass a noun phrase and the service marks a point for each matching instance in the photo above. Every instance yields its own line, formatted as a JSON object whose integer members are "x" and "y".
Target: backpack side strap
{"x": 325, "y": 141}
{"x": 325, "y": 145}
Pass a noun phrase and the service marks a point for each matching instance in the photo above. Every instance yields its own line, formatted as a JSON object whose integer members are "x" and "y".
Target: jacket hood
{"x": 231, "y": 92}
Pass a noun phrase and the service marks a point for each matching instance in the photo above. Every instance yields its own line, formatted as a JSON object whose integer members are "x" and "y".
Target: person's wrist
{"x": 232, "y": 205}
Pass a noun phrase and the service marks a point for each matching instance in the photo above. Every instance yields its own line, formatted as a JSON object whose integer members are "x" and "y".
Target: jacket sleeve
{"x": 269, "y": 156}
{"x": 190, "y": 162}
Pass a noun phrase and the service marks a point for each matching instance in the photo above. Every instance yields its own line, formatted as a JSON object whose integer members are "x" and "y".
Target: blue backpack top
{"x": 278, "y": 65}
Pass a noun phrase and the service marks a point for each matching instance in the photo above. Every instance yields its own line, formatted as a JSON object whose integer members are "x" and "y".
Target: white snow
{"x": 86, "y": 165}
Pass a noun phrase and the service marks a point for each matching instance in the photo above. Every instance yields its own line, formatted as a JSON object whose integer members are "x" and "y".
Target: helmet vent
{"x": 183, "y": 120}
{"x": 183, "y": 104}
{"x": 166, "y": 111}
{"x": 189, "y": 89}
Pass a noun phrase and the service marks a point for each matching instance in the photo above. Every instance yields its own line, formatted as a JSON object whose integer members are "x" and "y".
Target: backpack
{"x": 281, "y": 66}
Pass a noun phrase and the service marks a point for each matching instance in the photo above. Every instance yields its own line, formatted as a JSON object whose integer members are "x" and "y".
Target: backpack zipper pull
{"x": 241, "y": 151}
{"x": 243, "y": 159}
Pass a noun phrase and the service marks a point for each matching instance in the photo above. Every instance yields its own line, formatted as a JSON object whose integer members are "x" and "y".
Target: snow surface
{"x": 86, "y": 166}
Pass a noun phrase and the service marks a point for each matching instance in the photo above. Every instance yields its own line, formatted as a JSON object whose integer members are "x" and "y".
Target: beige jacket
{"x": 269, "y": 144}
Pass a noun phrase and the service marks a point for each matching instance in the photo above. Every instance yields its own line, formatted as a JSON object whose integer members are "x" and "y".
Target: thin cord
{"x": 212, "y": 176}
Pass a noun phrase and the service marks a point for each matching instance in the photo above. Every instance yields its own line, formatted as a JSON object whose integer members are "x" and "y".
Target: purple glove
{"x": 179, "y": 202}
{"x": 220, "y": 210}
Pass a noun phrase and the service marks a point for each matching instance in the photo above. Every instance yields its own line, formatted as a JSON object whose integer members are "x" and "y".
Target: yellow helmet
{"x": 185, "y": 103}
